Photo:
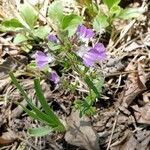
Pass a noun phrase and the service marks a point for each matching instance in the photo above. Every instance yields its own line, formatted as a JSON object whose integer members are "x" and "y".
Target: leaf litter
{"x": 127, "y": 73}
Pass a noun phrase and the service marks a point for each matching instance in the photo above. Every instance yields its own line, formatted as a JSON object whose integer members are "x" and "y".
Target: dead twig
{"x": 126, "y": 72}
{"x": 113, "y": 129}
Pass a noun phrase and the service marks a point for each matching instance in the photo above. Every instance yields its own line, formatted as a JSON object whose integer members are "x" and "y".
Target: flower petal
{"x": 81, "y": 30}
{"x": 52, "y": 38}
{"x": 41, "y": 64}
{"x": 94, "y": 55}
{"x": 101, "y": 50}
{"x": 54, "y": 77}
{"x": 41, "y": 59}
{"x": 88, "y": 61}
{"x": 89, "y": 33}
{"x": 100, "y": 47}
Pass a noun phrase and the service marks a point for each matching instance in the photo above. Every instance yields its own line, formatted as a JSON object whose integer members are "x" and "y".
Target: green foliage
{"x": 85, "y": 108}
{"x": 100, "y": 22}
{"x": 91, "y": 8}
{"x": 111, "y": 3}
{"x": 41, "y": 131}
{"x": 129, "y": 13}
{"x": 55, "y": 11}
{"x": 70, "y": 23}
{"x": 22, "y": 39}
{"x": 115, "y": 11}
{"x": 30, "y": 32}
{"x": 47, "y": 117}
{"x": 104, "y": 21}
{"x": 95, "y": 87}
{"x": 28, "y": 14}
{"x": 91, "y": 85}
{"x": 19, "y": 38}
{"x": 41, "y": 32}
{"x": 12, "y": 24}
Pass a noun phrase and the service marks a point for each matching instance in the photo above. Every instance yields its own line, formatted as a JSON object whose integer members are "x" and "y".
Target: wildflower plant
{"x": 50, "y": 121}
{"x": 63, "y": 41}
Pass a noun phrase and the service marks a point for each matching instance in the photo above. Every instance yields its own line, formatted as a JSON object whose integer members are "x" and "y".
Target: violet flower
{"x": 83, "y": 32}
{"x": 95, "y": 54}
{"x": 54, "y": 77}
{"x": 52, "y": 38}
{"x": 42, "y": 59}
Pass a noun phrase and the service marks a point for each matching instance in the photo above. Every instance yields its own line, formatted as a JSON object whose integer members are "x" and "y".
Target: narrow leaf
{"x": 19, "y": 86}
{"x": 91, "y": 85}
{"x": 38, "y": 132}
{"x": 40, "y": 114}
{"x": 43, "y": 101}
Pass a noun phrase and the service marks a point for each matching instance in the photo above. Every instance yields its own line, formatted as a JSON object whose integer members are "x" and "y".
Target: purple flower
{"x": 83, "y": 32}
{"x": 42, "y": 59}
{"x": 95, "y": 54}
{"x": 54, "y": 77}
{"x": 52, "y": 38}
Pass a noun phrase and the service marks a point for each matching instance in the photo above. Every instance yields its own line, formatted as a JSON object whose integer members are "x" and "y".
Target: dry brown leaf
{"x": 132, "y": 46}
{"x": 137, "y": 141}
{"x": 11, "y": 64}
{"x": 142, "y": 114}
{"x": 114, "y": 64}
{"x": 81, "y": 133}
{"x": 7, "y": 138}
{"x": 135, "y": 83}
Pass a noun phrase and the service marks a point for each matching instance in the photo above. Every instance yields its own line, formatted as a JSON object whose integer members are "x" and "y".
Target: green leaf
{"x": 111, "y": 3}
{"x": 12, "y": 24}
{"x": 100, "y": 22}
{"x": 91, "y": 85}
{"x": 70, "y": 23}
{"x": 55, "y": 11}
{"x": 43, "y": 101}
{"x": 99, "y": 82}
{"x": 129, "y": 13}
{"x": 28, "y": 14}
{"x": 27, "y": 48}
{"x": 115, "y": 9}
{"x": 40, "y": 114}
{"x": 13, "y": 78}
{"x": 53, "y": 46}
{"x": 42, "y": 32}
{"x": 38, "y": 132}
{"x": 19, "y": 38}
{"x": 31, "y": 113}
{"x": 49, "y": 119}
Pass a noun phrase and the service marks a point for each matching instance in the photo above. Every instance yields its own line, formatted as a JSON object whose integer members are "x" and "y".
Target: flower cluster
{"x": 83, "y": 32}
{"x": 93, "y": 55}
{"x": 90, "y": 55}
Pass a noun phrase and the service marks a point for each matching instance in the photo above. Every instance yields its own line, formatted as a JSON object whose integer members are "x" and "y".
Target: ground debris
{"x": 7, "y": 138}
{"x": 131, "y": 141}
{"x": 80, "y": 132}
{"x": 135, "y": 83}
